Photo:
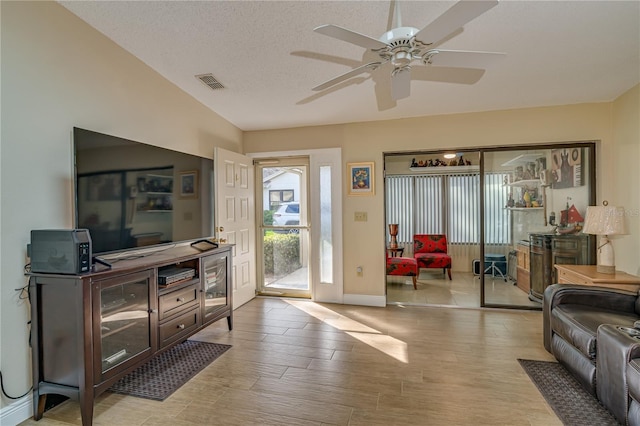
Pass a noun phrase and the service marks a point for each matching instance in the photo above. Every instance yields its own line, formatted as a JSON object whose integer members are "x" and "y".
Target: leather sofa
{"x": 571, "y": 317}
{"x": 633, "y": 383}
{"x": 618, "y": 371}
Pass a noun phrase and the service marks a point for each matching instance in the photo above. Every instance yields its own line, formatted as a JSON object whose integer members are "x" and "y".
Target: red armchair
{"x": 430, "y": 251}
{"x": 403, "y": 266}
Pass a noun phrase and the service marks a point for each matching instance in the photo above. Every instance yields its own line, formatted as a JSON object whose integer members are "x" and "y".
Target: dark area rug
{"x": 569, "y": 400}
{"x": 165, "y": 373}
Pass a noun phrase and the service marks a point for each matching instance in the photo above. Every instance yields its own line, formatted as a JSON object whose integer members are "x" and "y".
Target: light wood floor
{"x": 434, "y": 288}
{"x": 296, "y": 362}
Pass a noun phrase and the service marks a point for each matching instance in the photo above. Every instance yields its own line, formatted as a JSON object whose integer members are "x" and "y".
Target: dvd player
{"x": 174, "y": 274}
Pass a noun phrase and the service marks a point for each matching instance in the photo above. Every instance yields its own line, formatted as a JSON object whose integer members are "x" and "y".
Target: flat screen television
{"x": 130, "y": 194}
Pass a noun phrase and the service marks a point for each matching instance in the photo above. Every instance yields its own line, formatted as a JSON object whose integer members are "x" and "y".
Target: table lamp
{"x": 605, "y": 220}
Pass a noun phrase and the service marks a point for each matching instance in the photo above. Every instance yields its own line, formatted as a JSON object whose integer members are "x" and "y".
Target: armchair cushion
{"x": 429, "y": 243}
{"x": 430, "y": 251}
{"x": 403, "y": 266}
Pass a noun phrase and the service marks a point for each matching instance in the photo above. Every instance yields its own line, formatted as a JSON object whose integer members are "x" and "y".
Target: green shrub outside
{"x": 281, "y": 253}
{"x": 267, "y": 217}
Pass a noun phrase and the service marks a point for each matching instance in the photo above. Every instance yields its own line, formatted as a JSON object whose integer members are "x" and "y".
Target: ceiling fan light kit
{"x": 401, "y": 46}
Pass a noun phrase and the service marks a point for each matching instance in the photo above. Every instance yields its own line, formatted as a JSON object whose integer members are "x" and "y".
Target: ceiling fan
{"x": 402, "y": 46}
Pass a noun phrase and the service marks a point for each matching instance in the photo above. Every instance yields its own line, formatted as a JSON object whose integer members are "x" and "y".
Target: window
{"x": 326, "y": 237}
{"x": 447, "y": 204}
{"x": 497, "y": 228}
{"x": 293, "y": 208}
{"x": 279, "y": 196}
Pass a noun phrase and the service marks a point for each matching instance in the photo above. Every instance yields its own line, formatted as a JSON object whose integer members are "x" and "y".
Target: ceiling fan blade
{"x": 400, "y": 83}
{"x": 350, "y": 36}
{"x": 351, "y": 63}
{"x": 455, "y": 17}
{"x": 349, "y": 74}
{"x": 463, "y": 58}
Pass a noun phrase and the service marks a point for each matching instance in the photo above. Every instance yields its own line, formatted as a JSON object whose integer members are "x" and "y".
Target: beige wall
{"x": 57, "y": 73}
{"x": 624, "y": 189}
{"x": 368, "y": 142}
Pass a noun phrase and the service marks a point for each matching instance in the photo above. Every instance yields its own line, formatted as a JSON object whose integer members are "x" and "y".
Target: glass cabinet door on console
{"x": 123, "y": 314}
{"x": 217, "y": 297}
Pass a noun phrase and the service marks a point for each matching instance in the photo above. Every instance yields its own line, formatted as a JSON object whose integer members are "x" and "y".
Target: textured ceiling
{"x": 267, "y": 56}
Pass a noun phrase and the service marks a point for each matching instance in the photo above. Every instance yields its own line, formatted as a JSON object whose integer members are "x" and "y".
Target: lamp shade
{"x": 604, "y": 220}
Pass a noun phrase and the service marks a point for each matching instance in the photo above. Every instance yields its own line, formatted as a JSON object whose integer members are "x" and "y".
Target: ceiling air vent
{"x": 210, "y": 81}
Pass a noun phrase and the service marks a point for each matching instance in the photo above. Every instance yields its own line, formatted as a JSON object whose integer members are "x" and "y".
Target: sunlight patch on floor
{"x": 391, "y": 346}
{"x": 386, "y": 344}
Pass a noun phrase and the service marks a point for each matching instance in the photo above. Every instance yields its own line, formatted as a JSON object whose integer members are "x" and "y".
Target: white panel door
{"x": 235, "y": 218}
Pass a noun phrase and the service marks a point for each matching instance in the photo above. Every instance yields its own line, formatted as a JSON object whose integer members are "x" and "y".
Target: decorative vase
{"x": 393, "y": 231}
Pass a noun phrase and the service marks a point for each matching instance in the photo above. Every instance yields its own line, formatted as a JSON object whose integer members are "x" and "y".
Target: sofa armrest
{"x": 598, "y": 297}
{"x": 615, "y": 349}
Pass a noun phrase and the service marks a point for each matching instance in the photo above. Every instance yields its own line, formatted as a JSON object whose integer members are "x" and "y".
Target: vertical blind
{"x": 497, "y": 228}
{"x": 429, "y": 193}
{"x": 447, "y": 204}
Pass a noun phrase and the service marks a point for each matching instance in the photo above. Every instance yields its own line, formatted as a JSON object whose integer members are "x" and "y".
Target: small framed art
{"x": 189, "y": 184}
{"x": 361, "y": 178}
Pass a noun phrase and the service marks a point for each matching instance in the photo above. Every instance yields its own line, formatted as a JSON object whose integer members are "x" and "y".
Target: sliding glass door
{"x": 435, "y": 200}
{"x": 535, "y": 201}
{"x": 507, "y": 224}
{"x": 509, "y": 215}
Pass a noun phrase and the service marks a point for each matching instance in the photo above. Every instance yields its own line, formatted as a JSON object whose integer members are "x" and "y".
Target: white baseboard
{"x": 364, "y": 300}
{"x": 17, "y": 412}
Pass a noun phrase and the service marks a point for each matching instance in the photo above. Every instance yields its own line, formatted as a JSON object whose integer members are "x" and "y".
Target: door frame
{"x": 302, "y": 162}
{"x": 332, "y": 292}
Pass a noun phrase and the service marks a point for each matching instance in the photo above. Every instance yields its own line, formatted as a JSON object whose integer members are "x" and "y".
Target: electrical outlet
{"x": 360, "y": 216}
{"x": 359, "y": 271}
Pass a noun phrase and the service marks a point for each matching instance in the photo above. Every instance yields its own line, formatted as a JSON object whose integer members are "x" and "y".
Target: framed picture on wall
{"x": 361, "y": 178}
{"x": 566, "y": 167}
{"x": 189, "y": 184}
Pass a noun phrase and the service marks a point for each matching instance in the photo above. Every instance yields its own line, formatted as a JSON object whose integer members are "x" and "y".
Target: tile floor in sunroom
{"x": 434, "y": 288}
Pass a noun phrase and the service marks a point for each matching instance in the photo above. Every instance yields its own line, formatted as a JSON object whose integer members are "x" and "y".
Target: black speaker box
{"x": 60, "y": 251}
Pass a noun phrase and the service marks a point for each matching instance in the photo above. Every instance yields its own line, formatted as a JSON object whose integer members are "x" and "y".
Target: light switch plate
{"x": 360, "y": 216}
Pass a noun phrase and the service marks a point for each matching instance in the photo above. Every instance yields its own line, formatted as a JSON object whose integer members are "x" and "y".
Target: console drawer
{"x": 171, "y": 303}
{"x": 178, "y": 327}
